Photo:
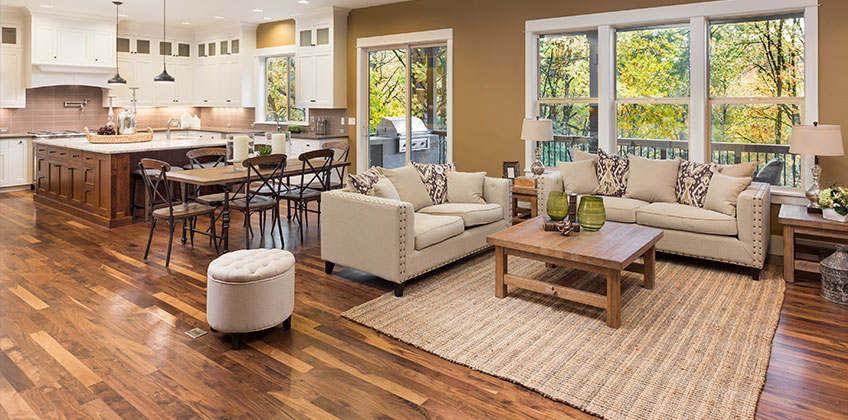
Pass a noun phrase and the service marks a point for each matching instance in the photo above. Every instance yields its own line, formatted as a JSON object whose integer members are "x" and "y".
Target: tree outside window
{"x": 280, "y": 91}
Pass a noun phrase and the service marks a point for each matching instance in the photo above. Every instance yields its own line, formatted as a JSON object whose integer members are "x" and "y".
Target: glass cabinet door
{"x": 234, "y": 46}
{"x": 165, "y": 48}
{"x": 123, "y": 45}
{"x": 322, "y": 36}
{"x": 142, "y": 46}
{"x": 306, "y": 38}
{"x": 224, "y": 47}
{"x": 9, "y": 35}
{"x": 210, "y": 49}
{"x": 201, "y": 50}
{"x": 183, "y": 50}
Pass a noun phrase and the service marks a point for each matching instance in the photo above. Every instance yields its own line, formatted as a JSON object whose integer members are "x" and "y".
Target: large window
{"x": 280, "y": 91}
{"x": 720, "y": 82}
{"x": 757, "y": 93}
{"x": 652, "y": 91}
{"x": 568, "y": 90}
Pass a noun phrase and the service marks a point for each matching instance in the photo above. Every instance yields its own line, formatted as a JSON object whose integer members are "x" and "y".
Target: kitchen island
{"x": 93, "y": 181}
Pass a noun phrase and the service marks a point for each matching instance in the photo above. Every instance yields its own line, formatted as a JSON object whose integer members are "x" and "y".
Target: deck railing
{"x": 724, "y": 153}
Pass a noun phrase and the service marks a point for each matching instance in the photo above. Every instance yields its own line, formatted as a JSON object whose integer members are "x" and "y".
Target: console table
{"x": 796, "y": 220}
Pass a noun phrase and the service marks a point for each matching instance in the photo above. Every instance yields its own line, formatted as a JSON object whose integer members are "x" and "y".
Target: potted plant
{"x": 834, "y": 203}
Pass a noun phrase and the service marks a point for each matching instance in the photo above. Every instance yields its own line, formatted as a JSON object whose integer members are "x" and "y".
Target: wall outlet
{"x": 351, "y": 121}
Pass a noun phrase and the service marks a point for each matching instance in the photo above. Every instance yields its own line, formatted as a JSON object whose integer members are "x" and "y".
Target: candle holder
{"x": 240, "y": 148}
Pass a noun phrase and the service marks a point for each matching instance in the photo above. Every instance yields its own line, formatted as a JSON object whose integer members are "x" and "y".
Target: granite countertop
{"x": 212, "y": 129}
{"x": 309, "y": 136}
{"x": 15, "y": 135}
{"x": 80, "y": 143}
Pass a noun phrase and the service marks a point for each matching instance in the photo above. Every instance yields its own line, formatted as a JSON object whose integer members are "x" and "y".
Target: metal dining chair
{"x": 341, "y": 149}
{"x": 316, "y": 166}
{"x": 262, "y": 194}
{"x": 207, "y": 157}
{"x": 187, "y": 213}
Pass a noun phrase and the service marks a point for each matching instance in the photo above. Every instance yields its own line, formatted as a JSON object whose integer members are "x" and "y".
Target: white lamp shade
{"x": 820, "y": 140}
{"x": 537, "y": 130}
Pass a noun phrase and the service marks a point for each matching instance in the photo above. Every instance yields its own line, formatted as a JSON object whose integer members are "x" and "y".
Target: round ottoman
{"x": 250, "y": 290}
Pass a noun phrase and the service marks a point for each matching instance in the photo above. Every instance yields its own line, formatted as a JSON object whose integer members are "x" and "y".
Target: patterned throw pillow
{"x": 364, "y": 182}
{"x": 693, "y": 179}
{"x": 612, "y": 174}
{"x": 435, "y": 179}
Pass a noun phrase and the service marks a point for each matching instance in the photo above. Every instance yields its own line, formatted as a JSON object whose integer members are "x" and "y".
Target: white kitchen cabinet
{"x": 15, "y": 163}
{"x": 185, "y": 84}
{"x": 321, "y": 59}
{"x": 63, "y": 40}
{"x": 12, "y": 88}
{"x": 75, "y": 45}
{"x": 145, "y": 69}
{"x": 45, "y": 45}
{"x": 104, "y": 47}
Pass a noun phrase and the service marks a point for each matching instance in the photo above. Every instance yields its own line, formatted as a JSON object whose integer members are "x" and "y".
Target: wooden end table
{"x": 614, "y": 248}
{"x": 528, "y": 194}
{"x": 795, "y": 220}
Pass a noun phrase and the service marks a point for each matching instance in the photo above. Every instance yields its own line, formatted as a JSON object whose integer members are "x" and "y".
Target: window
{"x": 652, "y": 92}
{"x": 568, "y": 90}
{"x": 757, "y": 93}
{"x": 280, "y": 91}
{"x": 720, "y": 82}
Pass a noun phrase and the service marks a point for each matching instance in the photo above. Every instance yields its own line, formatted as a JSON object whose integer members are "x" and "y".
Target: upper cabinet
{"x": 12, "y": 88}
{"x": 321, "y": 59}
{"x": 68, "y": 41}
{"x": 224, "y": 73}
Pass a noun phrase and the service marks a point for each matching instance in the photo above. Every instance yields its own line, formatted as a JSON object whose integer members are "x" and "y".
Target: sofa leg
{"x": 329, "y": 266}
{"x": 399, "y": 289}
{"x": 755, "y": 273}
{"x": 287, "y": 323}
{"x": 236, "y": 344}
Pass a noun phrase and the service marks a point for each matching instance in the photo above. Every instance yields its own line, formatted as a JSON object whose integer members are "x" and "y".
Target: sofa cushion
{"x": 693, "y": 179}
{"x": 364, "y": 182}
{"x": 471, "y": 214}
{"x": 652, "y": 180}
{"x": 612, "y": 174}
{"x": 431, "y": 229}
{"x": 622, "y": 210}
{"x": 409, "y": 186}
{"x": 465, "y": 187}
{"x": 434, "y": 177}
{"x": 687, "y": 218}
{"x": 577, "y": 155}
{"x": 385, "y": 189}
{"x": 723, "y": 193}
{"x": 739, "y": 170}
{"x": 579, "y": 177}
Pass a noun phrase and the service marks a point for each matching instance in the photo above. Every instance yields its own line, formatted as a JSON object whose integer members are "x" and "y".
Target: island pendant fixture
{"x": 117, "y": 80}
{"x": 164, "y": 77}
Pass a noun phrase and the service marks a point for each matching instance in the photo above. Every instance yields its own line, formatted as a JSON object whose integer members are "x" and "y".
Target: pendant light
{"x": 117, "y": 80}
{"x": 163, "y": 77}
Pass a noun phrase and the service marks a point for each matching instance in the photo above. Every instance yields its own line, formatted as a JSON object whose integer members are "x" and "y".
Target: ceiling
{"x": 193, "y": 12}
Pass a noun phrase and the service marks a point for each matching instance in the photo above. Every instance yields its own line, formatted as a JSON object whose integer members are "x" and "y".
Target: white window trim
{"x": 260, "y": 56}
{"x": 698, "y": 15}
{"x": 363, "y": 45}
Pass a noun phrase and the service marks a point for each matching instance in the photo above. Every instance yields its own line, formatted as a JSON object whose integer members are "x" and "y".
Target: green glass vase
{"x": 591, "y": 213}
{"x": 557, "y": 205}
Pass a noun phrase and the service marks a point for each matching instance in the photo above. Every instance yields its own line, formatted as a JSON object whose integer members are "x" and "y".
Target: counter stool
{"x": 250, "y": 290}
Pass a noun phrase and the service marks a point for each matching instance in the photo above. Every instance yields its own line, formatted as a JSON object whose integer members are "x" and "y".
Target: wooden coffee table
{"x": 614, "y": 248}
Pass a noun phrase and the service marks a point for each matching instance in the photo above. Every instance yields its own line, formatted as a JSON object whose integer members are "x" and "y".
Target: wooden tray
{"x": 119, "y": 138}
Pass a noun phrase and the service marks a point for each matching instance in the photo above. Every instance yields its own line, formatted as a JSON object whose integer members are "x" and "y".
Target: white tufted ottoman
{"x": 250, "y": 290}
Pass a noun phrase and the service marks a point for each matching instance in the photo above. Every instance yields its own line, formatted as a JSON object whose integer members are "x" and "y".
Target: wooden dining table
{"x": 227, "y": 176}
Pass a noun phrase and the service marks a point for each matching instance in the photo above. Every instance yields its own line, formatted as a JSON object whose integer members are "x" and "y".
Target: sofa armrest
{"x": 752, "y": 218}
{"x": 499, "y": 191}
{"x": 371, "y": 234}
{"x": 551, "y": 180}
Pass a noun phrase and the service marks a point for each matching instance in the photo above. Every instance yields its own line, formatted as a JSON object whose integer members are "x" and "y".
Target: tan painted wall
{"x": 275, "y": 34}
{"x": 489, "y": 66}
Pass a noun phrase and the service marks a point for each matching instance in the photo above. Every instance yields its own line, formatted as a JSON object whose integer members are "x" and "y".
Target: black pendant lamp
{"x": 163, "y": 77}
{"x": 117, "y": 80}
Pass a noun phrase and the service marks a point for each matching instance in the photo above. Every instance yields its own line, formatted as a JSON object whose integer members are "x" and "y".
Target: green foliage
{"x": 836, "y": 198}
{"x": 564, "y": 66}
{"x": 280, "y": 88}
{"x": 652, "y": 63}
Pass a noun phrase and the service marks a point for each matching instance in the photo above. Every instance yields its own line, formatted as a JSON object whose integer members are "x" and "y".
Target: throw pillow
{"x": 465, "y": 187}
{"x": 577, "y": 154}
{"x": 693, "y": 180}
{"x": 434, "y": 179}
{"x": 385, "y": 189}
{"x": 364, "y": 182}
{"x": 409, "y": 186}
{"x": 740, "y": 170}
{"x": 579, "y": 176}
{"x": 723, "y": 192}
{"x": 652, "y": 180}
{"x": 612, "y": 174}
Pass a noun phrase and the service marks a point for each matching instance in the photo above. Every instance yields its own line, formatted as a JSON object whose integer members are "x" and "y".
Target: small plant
{"x": 263, "y": 149}
{"x": 836, "y": 198}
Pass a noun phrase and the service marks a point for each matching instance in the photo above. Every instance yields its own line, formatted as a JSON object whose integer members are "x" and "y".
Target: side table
{"x": 526, "y": 194}
{"x": 796, "y": 220}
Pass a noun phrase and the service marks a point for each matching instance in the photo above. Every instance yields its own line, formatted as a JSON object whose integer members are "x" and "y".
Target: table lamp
{"x": 817, "y": 140}
{"x": 537, "y": 130}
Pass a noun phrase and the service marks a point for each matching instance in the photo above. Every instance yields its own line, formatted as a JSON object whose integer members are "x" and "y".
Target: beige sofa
{"x": 693, "y": 231}
{"x": 386, "y": 238}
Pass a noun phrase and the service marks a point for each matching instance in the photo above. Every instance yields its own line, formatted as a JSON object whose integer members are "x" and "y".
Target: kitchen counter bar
{"x": 80, "y": 143}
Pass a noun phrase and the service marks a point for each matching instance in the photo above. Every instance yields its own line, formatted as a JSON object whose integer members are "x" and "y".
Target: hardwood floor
{"x": 90, "y": 329}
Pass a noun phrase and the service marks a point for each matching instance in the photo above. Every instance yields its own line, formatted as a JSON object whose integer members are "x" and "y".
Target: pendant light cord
{"x": 164, "y": 32}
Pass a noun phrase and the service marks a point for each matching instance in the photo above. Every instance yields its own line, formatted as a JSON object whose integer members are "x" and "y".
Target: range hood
{"x": 44, "y": 75}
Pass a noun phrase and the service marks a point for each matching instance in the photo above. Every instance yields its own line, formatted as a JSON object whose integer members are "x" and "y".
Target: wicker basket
{"x": 119, "y": 138}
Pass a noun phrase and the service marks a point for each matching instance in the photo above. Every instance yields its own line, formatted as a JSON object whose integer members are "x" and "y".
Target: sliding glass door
{"x": 407, "y": 105}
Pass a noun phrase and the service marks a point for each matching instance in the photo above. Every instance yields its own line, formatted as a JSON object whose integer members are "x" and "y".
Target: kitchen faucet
{"x": 169, "y": 125}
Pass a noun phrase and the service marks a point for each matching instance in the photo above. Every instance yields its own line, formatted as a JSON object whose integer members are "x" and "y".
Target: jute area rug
{"x": 695, "y": 347}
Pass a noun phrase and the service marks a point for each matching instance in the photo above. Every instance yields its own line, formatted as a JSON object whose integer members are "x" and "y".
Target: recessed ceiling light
{"x": 46, "y": 6}
{"x": 186, "y": 23}
{"x": 303, "y": 1}
{"x": 123, "y": 15}
{"x": 257, "y": 10}
{"x": 267, "y": 18}
{"x": 219, "y": 17}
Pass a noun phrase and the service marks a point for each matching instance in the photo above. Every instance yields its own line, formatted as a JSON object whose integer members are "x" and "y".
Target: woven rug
{"x": 695, "y": 347}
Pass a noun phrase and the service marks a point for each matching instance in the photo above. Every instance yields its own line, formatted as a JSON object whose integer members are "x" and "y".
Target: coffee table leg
{"x": 614, "y": 298}
{"x": 501, "y": 267}
{"x": 650, "y": 260}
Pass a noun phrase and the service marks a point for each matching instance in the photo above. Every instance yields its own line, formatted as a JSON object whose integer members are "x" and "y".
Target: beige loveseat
{"x": 693, "y": 231}
{"x": 386, "y": 238}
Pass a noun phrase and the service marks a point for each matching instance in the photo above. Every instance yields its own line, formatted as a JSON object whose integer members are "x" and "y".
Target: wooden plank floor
{"x": 88, "y": 329}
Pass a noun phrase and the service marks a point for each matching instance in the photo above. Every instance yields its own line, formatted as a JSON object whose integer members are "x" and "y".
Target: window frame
{"x": 698, "y": 16}
{"x": 262, "y": 55}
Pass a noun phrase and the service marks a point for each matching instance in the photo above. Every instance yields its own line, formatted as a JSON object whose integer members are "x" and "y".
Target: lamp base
{"x": 813, "y": 210}
{"x": 814, "y": 190}
{"x": 537, "y": 168}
